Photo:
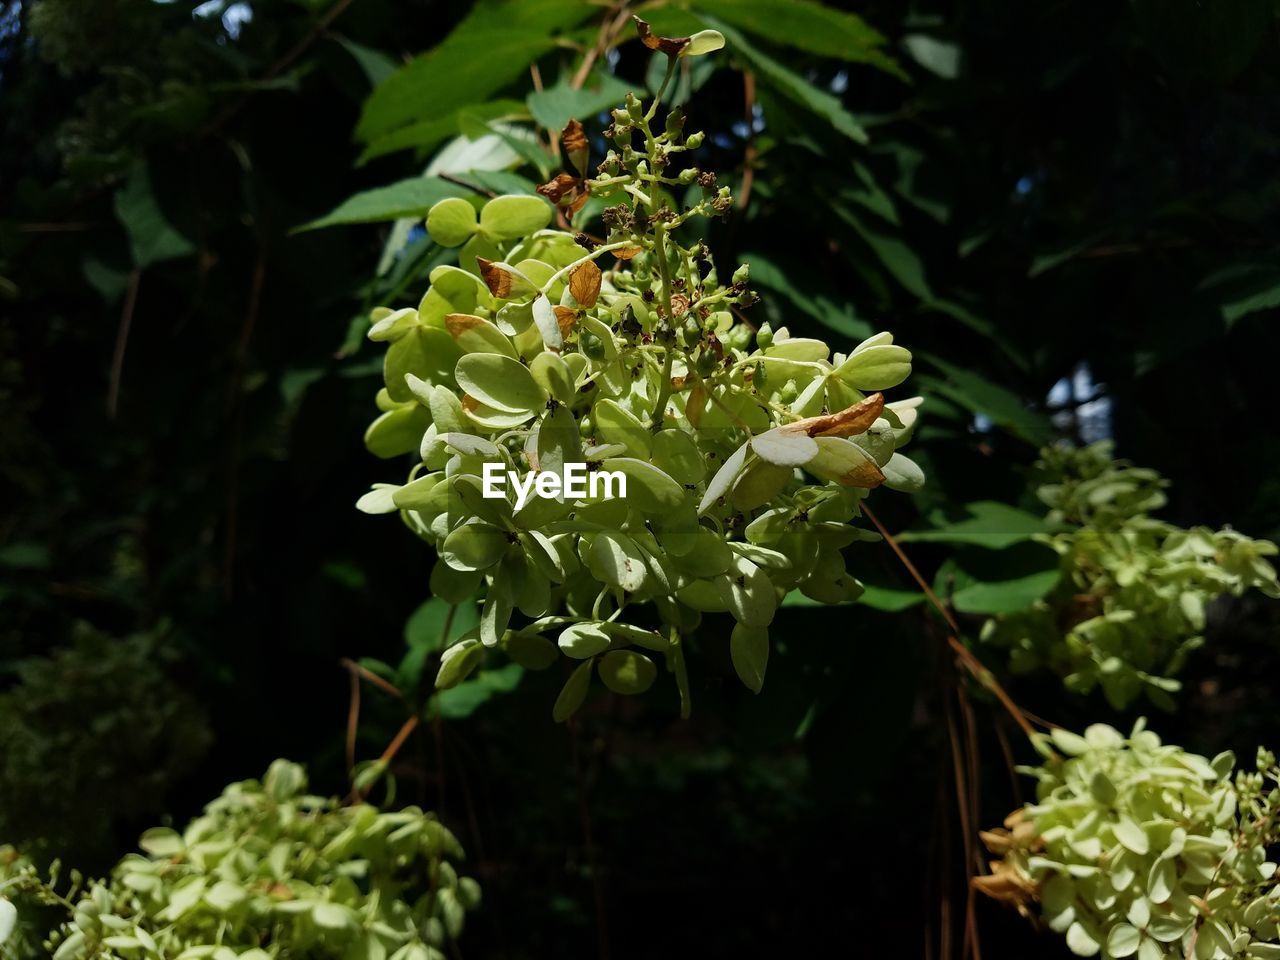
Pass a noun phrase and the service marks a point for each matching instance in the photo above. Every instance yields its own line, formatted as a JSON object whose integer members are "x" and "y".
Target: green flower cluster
{"x": 269, "y": 871}
{"x": 1130, "y": 605}
{"x": 745, "y": 462}
{"x": 1135, "y": 847}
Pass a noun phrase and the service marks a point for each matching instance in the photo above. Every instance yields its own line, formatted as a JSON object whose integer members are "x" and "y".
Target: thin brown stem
{"x": 610, "y": 26}
{"x": 353, "y": 721}
{"x": 749, "y": 154}
{"x": 122, "y": 342}
{"x": 964, "y": 655}
{"x": 382, "y": 684}
{"x": 468, "y": 185}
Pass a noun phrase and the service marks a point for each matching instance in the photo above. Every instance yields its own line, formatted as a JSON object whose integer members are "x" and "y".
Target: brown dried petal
{"x": 679, "y": 305}
{"x": 576, "y": 147}
{"x": 498, "y": 281}
{"x": 559, "y": 186}
{"x": 584, "y": 283}
{"x": 667, "y": 45}
{"x": 459, "y": 323}
{"x": 847, "y": 423}
{"x": 626, "y": 253}
{"x": 578, "y": 200}
{"x": 1007, "y": 885}
{"x": 566, "y": 317}
{"x": 865, "y": 476}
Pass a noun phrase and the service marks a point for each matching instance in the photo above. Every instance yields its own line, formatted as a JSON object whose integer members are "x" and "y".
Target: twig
{"x": 280, "y": 65}
{"x": 353, "y": 721}
{"x": 963, "y": 809}
{"x": 122, "y": 342}
{"x": 377, "y": 681}
{"x": 749, "y": 154}
{"x": 470, "y": 186}
{"x": 964, "y": 655}
{"x": 609, "y": 28}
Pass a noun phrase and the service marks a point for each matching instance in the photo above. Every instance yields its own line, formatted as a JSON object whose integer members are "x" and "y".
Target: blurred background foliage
{"x": 1068, "y": 211}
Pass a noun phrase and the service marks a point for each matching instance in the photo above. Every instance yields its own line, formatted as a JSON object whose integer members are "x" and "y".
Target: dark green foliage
{"x": 184, "y": 387}
{"x": 93, "y": 737}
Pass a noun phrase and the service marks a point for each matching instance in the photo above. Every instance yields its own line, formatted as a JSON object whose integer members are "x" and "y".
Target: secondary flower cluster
{"x": 269, "y": 871}
{"x": 1131, "y": 603}
{"x": 745, "y": 462}
{"x": 1135, "y": 847}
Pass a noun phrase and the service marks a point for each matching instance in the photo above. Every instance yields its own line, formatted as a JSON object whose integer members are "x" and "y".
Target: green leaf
{"x": 377, "y": 66}
{"x": 903, "y": 264}
{"x": 1243, "y": 289}
{"x": 791, "y": 85}
{"x": 889, "y": 599}
{"x": 451, "y": 222}
{"x": 499, "y": 382}
{"x": 807, "y": 26}
{"x": 464, "y": 699}
{"x": 985, "y": 523}
{"x": 424, "y": 631}
{"x": 627, "y": 672}
{"x": 979, "y": 395}
{"x": 407, "y": 198}
{"x": 492, "y": 47}
{"x": 555, "y": 106}
{"x": 152, "y": 238}
{"x": 425, "y": 134}
{"x": 512, "y": 217}
{"x": 795, "y": 283}
{"x": 572, "y": 693}
{"x": 749, "y": 650}
{"x": 1006, "y": 596}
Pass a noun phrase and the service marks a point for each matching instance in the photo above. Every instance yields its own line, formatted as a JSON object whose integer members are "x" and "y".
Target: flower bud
{"x": 764, "y": 336}
{"x": 694, "y": 140}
